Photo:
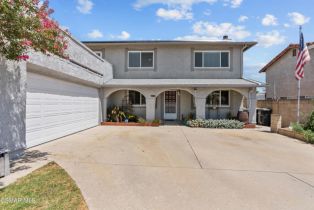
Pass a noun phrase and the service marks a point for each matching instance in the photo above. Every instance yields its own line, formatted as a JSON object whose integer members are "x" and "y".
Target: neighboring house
{"x": 280, "y": 79}
{"x": 48, "y": 97}
{"x": 172, "y": 80}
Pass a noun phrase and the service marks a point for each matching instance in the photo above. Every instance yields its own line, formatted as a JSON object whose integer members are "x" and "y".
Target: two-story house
{"x": 280, "y": 71}
{"x": 48, "y": 97}
{"x": 171, "y": 80}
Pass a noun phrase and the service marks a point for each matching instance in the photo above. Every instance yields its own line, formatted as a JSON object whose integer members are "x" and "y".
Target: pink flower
{"x": 27, "y": 43}
{"x": 23, "y": 57}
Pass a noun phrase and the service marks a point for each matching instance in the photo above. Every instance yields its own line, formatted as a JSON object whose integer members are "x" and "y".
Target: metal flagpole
{"x": 299, "y": 87}
{"x": 299, "y": 92}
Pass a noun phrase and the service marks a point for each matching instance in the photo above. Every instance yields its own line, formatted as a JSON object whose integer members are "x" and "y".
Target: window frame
{"x": 211, "y": 51}
{"x": 141, "y": 102}
{"x": 220, "y": 105}
{"x": 140, "y": 51}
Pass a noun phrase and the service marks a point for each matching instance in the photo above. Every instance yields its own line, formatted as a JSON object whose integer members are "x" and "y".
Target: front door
{"x": 170, "y": 111}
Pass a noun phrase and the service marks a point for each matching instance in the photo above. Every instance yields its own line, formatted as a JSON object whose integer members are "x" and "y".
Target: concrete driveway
{"x": 173, "y": 167}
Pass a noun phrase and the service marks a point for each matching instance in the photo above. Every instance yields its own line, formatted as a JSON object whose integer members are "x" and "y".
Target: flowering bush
{"x": 227, "y": 124}
{"x": 25, "y": 25}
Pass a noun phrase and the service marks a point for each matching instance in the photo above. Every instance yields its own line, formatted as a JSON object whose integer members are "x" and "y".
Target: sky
{"x": 274, "y": 24}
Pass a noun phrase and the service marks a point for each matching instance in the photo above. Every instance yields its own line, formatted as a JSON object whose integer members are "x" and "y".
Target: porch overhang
{"x": 174, "y": 83}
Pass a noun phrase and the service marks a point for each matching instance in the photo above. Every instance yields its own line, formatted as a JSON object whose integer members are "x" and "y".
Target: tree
{"x": 25, "y": 25}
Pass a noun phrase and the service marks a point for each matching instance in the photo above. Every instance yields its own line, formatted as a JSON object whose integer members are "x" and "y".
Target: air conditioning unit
{"x": 4, "y": 163}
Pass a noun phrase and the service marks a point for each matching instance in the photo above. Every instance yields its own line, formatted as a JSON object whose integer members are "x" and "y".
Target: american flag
{"x": 302, "y": 59}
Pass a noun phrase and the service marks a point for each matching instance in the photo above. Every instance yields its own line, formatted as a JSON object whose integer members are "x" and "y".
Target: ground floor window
{"x": 220, "y": 98}
{"x": 136, "y": 98}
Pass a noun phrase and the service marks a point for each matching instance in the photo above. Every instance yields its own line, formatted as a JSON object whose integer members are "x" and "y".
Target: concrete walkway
{"x": 173, "y": 167}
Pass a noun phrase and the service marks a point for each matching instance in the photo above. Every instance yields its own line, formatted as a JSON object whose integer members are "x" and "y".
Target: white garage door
{"x": 56, "y": 108}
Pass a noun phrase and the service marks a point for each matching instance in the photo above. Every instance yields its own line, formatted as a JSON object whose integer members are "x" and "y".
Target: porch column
{"x": 252, "y": 106}
{"x": 150, "y": 108}
{"x": 200, "y": 104}
{"x": 102, "y": 106}
{"x": 104, "y": 109}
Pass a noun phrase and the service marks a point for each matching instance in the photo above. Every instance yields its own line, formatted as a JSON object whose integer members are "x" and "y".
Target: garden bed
{"x": 146, "y": 124}
{"x": 292, "y": 134}
{"x": 249, "y": 126}
{"x": 219, "y": 124}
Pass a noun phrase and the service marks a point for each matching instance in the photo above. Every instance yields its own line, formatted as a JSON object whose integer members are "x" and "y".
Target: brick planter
{"x": 249, "y": 126}
{"x": 292, "y": 134}
{"x": 147, "y": 124}
{"x": 275, "y": 123}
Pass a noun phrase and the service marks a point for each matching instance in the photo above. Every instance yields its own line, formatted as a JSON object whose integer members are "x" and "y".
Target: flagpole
{"x": 299, "y": 93}
{"x": 299, "y": 88}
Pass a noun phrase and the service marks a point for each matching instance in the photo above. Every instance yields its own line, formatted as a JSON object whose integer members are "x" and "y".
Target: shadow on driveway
{"x": 28, "y": 158}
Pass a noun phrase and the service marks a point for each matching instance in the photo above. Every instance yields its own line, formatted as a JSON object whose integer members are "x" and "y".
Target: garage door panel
{"x": 56, "y": 108}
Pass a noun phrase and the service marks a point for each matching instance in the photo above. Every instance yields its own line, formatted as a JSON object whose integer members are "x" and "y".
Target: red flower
{"x": 23, "y": 57}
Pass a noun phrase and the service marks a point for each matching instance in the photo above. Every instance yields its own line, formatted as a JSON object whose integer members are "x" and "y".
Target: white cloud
{"x": 219, "y": 30}
{"x": 95, "y": 34}
{"x": 243, "y": 18}
{"x": 195, "y": 37}
{"x": 171, "y": 3}
{"x": 251, "y": 71}
{"x": 269, "y": 20}
{"x": 84, "y": 6}
{"x": 209, "y": 31}
{"x": 286, "y": 25}
{"x": 298, "y": 18}
{"x": 207, "y": 12}
{"x": 174, "y": 14}
{"x": 176, "y": 9}
{"x": 270, "y": 39}
{"x": 123, "y": 36}
{"x": 235, "y": 3}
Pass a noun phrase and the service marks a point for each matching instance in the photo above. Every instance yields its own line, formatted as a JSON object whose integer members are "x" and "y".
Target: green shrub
{"x": 131, "y": 117}
{"x": 141, "y": 120}
{"x": 225, "y": 124}
{"x": 309, "y": 125}
{"x": 156, "y": 121}
{"x": 115, "y": 114}
{"x": 297, "y": 127}
{"x": 309, "y": 136}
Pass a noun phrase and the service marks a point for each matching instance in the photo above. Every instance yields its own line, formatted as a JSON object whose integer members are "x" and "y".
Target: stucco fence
{"x": 287, "y": 108}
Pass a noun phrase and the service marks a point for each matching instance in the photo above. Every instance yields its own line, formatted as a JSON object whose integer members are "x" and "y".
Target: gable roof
{"x": 281, "y": 54}
{"x": 246, "y": 45}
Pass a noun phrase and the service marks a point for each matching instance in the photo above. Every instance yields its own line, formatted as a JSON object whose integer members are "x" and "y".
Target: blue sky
{"x": 273, "y": 23}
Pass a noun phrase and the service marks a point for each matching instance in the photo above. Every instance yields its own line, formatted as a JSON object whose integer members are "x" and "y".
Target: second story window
{"x": 211, "y": 59}
{"x": 140, "y": 59}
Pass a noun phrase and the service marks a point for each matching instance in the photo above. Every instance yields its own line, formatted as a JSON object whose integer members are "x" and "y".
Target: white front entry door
{"x": 170, "y": 111}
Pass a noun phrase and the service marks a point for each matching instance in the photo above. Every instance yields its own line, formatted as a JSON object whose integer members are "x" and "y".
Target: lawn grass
{"x": 49, "y": 187}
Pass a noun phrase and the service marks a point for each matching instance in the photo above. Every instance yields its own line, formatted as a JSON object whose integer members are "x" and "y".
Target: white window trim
{"x": 99, "y": 53}
{"x": 136, "y": 105}
{"x": 141, "y": 51}
{"x": 211, "y": 51}
{"x": 221, "y": 106}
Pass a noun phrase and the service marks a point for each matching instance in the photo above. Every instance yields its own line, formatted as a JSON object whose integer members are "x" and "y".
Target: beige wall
{"x": 288, "y": 109}
{"x": 281, "y": 81}
{"x": 172, "y": 62}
